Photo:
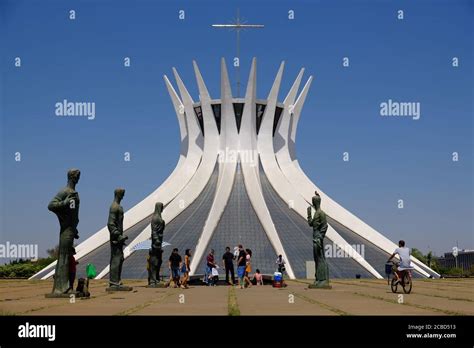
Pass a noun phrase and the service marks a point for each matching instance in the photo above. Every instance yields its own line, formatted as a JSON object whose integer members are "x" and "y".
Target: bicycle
{"x": 402, "y": 277}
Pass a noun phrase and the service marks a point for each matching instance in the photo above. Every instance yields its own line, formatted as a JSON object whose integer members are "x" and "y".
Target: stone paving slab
{"x": 344, "y": 299}
{"x": 34, "y": 302}
{"x": 118, "y": 303}
{"x": 197, "y": 300}
{"x": 16, "y": 291}
{"x": 265, "y": 300}
{"x": 438, "y": 305}
{"x": 433, "y": 288}
{"x": 347, "y": 297}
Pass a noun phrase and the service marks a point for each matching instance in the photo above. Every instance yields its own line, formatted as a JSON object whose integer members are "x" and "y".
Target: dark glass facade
{"x": 216, "y": 109}
{"x": 238, "y": 111}
{"x": 198, "y": 112}
{"x": 259, "y": 113}
{"x": 276, "y": 120}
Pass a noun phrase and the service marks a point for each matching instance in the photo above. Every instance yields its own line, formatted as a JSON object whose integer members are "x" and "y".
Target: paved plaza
{"x": 347, "y": 297}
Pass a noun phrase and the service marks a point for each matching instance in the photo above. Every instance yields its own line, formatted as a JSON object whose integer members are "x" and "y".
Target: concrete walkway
{"x": 347, "y": 297}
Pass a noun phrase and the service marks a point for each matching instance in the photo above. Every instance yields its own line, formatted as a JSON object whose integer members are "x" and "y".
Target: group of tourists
{"x": 179, "y": 268}
{"x": 242, "y": 257}
{"x": 66, "y": 206}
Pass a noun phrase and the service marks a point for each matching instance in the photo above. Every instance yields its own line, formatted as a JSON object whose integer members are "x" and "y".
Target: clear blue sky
{"x": 390, "y": 158}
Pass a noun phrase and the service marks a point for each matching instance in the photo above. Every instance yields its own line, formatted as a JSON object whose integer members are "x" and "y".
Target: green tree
{"x": 455, "y": 271}
{"x": 21, "y": 268}
{"x": 429, "y": 258}
{"x": 419, "y": 255}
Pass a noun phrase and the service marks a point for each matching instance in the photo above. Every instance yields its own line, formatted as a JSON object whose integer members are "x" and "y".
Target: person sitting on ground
{"x": 258, "y": 277}
{"x": 405, "y": 262}
{"x": 175, "y": 263}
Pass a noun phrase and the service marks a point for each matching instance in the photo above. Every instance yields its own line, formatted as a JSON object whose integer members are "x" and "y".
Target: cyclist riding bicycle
{"x": 404, "y": 254}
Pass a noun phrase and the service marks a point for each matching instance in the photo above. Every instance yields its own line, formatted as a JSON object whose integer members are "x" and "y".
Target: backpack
{"x": 83, "y": 287}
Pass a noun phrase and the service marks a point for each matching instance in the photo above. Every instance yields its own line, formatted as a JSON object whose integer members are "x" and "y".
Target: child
{"x": 258, "y": 277}
{"x": 215, "y": 276}
{"x": 236, "y": 252}
{"x": 72, "y": 269}
{"x": 148, "y": 266}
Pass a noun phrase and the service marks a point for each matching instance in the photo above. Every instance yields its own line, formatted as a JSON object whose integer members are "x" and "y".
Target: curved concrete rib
{"x": 278, "y": 180}
{"x": 302, "y": 184}
{"x": 180, "y": 176}
{"x": 283, "y": 128}
{"x": 248, "y": 147}
{"x": 227, "y": 168}
{"x": 198, "y": 182}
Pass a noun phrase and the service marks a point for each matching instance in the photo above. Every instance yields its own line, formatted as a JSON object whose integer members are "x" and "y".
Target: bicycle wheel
{"x": 394, "y": 285}
{"x": 407, "y": 283}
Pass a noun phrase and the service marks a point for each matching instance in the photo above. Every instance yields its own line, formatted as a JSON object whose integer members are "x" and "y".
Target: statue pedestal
{"x": 158, "y": 285}
{"x": 320, "y": 285}
{"x": 119, "y": 288}
{"x": 67, "y": 295}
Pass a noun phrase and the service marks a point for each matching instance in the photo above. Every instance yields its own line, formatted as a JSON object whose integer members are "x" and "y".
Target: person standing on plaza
{"x": 248, "y": 267}
{"x": 175, "y": 263}
{"x": 228, "y": 262}
{"x": 280, "y": 264}
{"x": 241, "y": 264}
{"x": 185, "y": 269}
{"x": 210, "y": 264}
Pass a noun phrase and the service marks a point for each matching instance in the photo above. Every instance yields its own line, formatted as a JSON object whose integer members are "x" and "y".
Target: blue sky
{"x": 390, "y": 158}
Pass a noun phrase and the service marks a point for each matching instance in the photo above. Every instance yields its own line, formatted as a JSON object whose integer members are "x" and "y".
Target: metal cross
{"x": 238, "y": 26}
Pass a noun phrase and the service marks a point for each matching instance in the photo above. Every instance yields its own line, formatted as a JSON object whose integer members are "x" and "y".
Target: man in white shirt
{"x": 280, "y": 263}
{"x": 404, "y": 254}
